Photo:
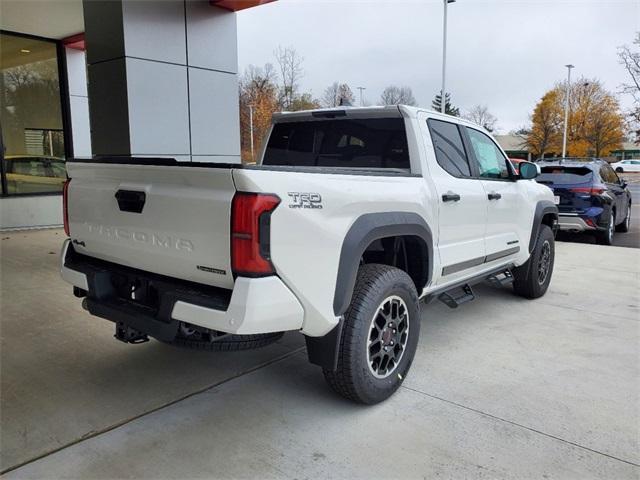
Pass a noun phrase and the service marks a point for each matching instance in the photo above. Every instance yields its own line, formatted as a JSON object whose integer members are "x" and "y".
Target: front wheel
{"x": 379, "y": 335}
{"x": 620, "y": 170}
{"x": 532, "y": 279}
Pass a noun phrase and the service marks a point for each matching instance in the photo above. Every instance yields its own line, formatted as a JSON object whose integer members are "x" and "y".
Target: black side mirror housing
{"x": 528, "y": 170}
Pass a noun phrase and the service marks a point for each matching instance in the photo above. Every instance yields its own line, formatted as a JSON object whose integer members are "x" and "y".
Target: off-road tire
{"x": 624, "y": 226}
{"x": 606, "y": 237}
{"x": 231, "y": 343}
{"x": 354, "y": 379}
{"x": 527, "y": 277}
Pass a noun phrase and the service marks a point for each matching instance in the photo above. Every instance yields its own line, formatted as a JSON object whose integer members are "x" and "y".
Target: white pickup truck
{"x": 350, "y": 219}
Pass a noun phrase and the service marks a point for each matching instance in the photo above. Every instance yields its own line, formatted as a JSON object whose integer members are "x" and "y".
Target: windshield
{"x": 559, "y": 175}
{"x": 348, "y": 143}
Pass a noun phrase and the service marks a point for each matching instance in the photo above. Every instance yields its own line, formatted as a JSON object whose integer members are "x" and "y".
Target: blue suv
{"x": 589, "y": 195}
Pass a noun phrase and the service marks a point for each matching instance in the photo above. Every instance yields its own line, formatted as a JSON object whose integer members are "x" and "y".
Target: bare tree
{"x": 630, "y": 59}
{"x": 337, "y": 94}
{"x": 257, "y": 81}
{"x": 290, "y": 66}
{"x": 480, "y": 115}
{"x": 393, "y": 95}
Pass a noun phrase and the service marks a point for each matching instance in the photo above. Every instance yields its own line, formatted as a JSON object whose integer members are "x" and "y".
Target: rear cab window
{"x": 449, "y": 148}
{"x": 361, "y": 143}
{"x": 564, "y": 175}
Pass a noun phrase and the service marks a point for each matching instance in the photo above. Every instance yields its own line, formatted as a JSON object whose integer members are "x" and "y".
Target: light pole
{"x": 444, "y": 55}
{"x": 566, "y": 111}
{"x": 253, "y": 159}
{"x": 361, "y": 90}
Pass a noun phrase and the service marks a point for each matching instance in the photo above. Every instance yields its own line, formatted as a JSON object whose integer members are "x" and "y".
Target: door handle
{"x": 494, "y": 196}
{"x": 450, "y": 197}
{"x": 130, "y": 200}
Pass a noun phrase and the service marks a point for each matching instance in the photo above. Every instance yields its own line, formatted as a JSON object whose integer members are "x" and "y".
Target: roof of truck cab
{"x": 372, "y": 111}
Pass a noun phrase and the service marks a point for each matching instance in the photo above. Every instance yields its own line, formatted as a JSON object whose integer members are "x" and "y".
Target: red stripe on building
{"x": 235, "y": 5}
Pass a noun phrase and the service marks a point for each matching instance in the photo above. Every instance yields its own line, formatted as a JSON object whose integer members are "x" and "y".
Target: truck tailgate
{"x": 170, "y": 220}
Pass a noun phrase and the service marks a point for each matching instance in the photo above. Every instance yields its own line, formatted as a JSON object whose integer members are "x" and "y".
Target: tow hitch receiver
{"x": 126, "y": 334}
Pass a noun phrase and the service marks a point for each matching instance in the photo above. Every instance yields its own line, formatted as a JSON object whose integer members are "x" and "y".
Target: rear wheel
{"x": 624, "y": 226}
{"x": 532, "y": 279}
{"x": 619, "y": 170}
{"x": 605, "y": 237}
{"x": 379, "y": 335}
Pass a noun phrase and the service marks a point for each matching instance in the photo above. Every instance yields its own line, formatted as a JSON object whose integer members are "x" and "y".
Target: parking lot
{"x": 501, "y": 387}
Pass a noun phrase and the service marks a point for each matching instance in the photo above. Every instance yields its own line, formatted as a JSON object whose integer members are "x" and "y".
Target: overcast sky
{"x": 502, "y": 53}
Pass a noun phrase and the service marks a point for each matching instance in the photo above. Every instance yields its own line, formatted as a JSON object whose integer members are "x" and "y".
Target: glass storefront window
{"x": 31, "y": 116}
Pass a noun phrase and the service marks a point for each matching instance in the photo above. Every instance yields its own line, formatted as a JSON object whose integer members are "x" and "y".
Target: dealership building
{"x": 81, "y": 78}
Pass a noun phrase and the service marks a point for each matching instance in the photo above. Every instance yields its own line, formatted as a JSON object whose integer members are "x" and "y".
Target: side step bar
{"x": 501, "y": 279}
{"x": 455, "y": 295}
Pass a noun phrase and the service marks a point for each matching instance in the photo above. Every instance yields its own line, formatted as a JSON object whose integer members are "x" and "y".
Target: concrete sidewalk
{"x": 501, "y": 387}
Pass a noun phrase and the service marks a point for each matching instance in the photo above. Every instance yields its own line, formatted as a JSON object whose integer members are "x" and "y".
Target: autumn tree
{"x": 480, "y": 115}
{"x": 394, "y": 95}
{"x": 337, "y": 94}
{"x": 290, "y": 68}
{"x": 595, "y": 122}
{"x": 546, "y": 122}
{"x": 630, "y": 59}
{"x": 449, "y": 109}
{"x": 258, "y": 96}
{"x": 595, "y": 127}
{"x": 304, "y": 101}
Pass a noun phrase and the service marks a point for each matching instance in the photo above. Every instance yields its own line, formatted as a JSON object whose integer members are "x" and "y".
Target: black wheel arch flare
{"x": 366, "y": 229}
{"x": 544, "y": 208}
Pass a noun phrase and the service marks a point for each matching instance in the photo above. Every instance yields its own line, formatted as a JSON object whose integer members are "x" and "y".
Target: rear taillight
{"x": 250, "y": 236}
{"x": 588, "y": 190}
{"x": 65, "y": 205}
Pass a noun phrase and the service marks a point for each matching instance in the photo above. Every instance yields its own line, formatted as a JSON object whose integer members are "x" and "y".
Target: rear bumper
{"x": 573, "y": 223}
{"x": 256, "y": 305}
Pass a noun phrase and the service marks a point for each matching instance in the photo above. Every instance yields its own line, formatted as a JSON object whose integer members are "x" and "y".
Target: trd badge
{"x": 305, "y": 200}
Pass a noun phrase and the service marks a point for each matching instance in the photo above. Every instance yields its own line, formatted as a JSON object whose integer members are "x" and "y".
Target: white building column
{"x": 78, "y": 101}
{"x": 162, "y": 79}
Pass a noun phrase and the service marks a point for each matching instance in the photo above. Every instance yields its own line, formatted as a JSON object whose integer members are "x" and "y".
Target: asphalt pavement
{"x": 502, "y": 387}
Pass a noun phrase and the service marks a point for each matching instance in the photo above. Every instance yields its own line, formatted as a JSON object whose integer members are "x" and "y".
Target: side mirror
{"x": 528, "y": 170}
{"x": 623, "y": 184}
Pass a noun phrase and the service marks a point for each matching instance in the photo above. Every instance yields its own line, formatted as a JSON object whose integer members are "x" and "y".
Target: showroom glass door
{"x": 31, "y": 116}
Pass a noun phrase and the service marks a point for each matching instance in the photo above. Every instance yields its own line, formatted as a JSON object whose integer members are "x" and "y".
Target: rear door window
{"x": 348, "y": 143}
{"x": 560, "y": 175}
{"x": 449, "y": 148}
